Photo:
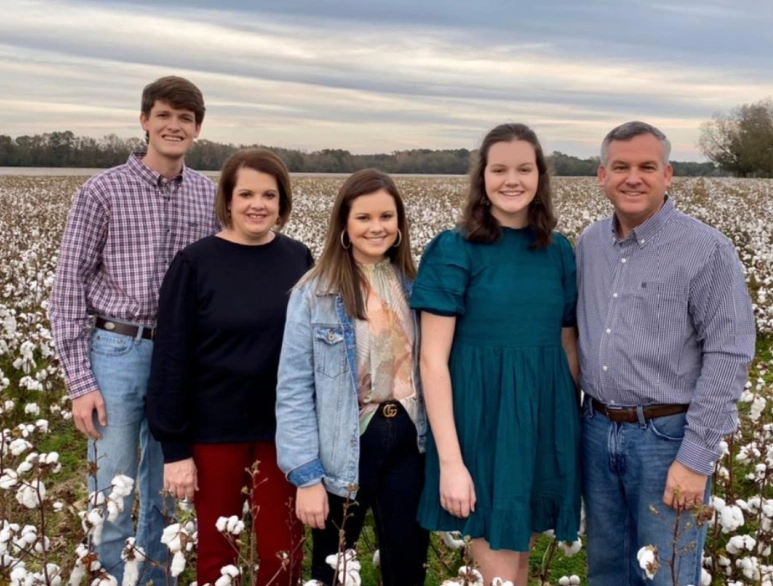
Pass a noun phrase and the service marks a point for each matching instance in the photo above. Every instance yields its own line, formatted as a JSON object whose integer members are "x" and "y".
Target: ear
{"x": 198, "y": 131}
{"x": 669, "y": 174}
{"x": 602, "y": 175}
{"x": 144, "y": 122}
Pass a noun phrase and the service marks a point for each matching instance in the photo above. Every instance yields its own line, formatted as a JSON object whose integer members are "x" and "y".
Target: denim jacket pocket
{"x": 329, "y": 350}
{"x": 670, "y": 427}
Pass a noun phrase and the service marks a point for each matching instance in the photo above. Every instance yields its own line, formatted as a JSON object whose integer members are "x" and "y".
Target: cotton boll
{"x": 648, "y": 560}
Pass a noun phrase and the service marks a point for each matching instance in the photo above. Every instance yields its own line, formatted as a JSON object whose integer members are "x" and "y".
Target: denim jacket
{"x": 317, "y": 408}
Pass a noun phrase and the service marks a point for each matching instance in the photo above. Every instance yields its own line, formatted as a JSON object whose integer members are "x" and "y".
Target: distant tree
{"x": 741, "y": 142}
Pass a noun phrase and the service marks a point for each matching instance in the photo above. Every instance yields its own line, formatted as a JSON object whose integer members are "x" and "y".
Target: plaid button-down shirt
{"x": 124, "y": 227}
{"x": 665, "y": 317}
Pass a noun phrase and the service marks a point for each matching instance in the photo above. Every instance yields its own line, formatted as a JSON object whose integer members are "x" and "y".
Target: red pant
{"x": 221, "y": 470}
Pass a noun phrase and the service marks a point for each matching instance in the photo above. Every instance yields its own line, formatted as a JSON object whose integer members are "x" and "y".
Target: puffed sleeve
{"x": 444, "y": 273}
{"x": 568, "y": 280}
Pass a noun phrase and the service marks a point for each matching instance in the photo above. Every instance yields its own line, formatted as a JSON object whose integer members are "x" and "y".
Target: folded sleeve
{"x": 444, "y": 274}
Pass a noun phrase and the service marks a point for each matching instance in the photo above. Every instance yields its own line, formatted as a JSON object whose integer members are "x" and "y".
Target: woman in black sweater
{"x": 212, "y": 386}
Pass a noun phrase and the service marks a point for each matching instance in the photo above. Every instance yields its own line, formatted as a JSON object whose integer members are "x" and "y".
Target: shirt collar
{"x": 644, "y": 232}
{"x": 150, "y": 176}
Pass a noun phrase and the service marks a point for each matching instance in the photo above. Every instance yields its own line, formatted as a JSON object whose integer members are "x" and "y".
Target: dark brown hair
{"x": 178, "y": 92}
{"x": 260, "y": 160}
{"x": 478, "y": 223}
{"x": 336, "y": 268}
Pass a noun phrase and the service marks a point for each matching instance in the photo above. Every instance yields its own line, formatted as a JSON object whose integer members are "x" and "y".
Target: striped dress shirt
{"x": 664, "y": 316}
{"x": 124, "y": 227}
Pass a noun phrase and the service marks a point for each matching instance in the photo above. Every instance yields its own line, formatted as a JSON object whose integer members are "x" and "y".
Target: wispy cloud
{"x": 336, "y": 76}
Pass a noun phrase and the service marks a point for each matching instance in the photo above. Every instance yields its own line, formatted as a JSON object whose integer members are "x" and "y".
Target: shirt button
{"x": 609, "y": 331}
{"x": 331, "y": 336}
{"x": 614, "y": 295}
{"x": 605, "y": 368}
{"x": 623, "y": 260}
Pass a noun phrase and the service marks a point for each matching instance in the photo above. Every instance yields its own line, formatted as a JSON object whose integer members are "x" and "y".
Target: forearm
{"x": 712, "y": 413}
{"x": 569, "y": 343}
{"x": 438, "y": 398}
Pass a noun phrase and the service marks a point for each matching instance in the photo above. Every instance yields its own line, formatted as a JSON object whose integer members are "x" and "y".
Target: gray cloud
{"x": 377, "y": 77}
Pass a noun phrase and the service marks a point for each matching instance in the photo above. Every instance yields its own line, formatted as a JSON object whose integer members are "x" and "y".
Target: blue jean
{"x": 624, "y": 477}
{"x": 121, "y": 365}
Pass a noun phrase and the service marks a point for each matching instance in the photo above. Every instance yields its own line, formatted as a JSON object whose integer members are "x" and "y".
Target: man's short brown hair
{"x": 178, "y": 92}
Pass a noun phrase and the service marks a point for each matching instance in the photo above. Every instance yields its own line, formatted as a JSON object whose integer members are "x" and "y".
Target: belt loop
{"x": 138, "y": 335}
{"x": 640, "y": 416}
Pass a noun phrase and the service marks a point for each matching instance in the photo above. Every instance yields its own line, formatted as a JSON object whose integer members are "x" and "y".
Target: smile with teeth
{"x": 174, "y": 138}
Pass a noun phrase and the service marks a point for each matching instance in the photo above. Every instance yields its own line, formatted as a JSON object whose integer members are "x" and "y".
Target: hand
{"x": 684, "y": 488}
{"x": 457, "y": 491}
{"x": 180, "y": 479}
{"x": 83, "y": 408}
{"x": 311, "y": 506}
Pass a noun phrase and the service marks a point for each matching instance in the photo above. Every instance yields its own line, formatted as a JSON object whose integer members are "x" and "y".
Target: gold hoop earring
{"x": 399, "y": 239}
{"x": 341, "y": 238}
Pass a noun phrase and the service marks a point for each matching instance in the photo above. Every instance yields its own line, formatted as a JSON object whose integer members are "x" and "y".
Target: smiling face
{"x": 171, "y": 132}
{"x": 254, "y": 207}
{"x": 372, "y": 226}
{"x": 511, "y": 180}
{"x": 635, "y": 179}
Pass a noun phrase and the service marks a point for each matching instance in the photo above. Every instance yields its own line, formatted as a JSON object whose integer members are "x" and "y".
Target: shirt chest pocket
{"x": 661, "y": 306}
{"x": 329, "y": 350}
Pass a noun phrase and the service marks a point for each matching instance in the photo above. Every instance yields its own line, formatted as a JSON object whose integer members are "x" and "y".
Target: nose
{"x": 511, "y": 178}
{"x": 633, "y": 177}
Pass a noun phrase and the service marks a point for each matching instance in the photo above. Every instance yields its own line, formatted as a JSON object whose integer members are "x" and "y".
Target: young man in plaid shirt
{"x": 124, "y": 227}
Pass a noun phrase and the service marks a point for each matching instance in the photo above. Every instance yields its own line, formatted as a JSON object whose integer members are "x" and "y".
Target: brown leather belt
{"x": 629, "y": 415}
{"x": 124, "y": 329}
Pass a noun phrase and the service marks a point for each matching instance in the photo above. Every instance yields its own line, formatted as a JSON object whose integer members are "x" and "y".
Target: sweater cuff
{"x": 176, "y": 451}
{"x": 309, "y": 474}
{"x": 697, "y": 457}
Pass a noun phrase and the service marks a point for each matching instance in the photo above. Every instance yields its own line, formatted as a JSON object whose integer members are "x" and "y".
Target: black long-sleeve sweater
{"x": 221, "y": 317}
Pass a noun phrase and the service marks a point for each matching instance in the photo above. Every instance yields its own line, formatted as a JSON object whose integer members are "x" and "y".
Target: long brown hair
{"x": 478, "y": 223}
{"x": 336, "y": 268}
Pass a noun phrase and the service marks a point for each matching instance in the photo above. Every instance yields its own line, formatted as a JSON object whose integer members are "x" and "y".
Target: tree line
{"x": 64, "y": 149}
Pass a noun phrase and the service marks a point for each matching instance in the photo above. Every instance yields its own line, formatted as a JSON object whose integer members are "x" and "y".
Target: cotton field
{"x": 46, "y": 531}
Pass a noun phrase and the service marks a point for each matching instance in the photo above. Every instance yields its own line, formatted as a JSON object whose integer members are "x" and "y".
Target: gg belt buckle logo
{"x": 389, "y": 410}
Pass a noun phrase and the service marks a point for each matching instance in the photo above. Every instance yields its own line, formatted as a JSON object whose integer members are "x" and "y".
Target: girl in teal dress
{"x": 499, "y": 363}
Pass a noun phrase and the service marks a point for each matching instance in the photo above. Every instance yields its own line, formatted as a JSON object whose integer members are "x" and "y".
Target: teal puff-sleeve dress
{"x": 515, "y": 404}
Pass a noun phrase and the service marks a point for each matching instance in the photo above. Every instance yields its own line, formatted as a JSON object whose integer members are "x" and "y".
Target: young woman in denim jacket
{"x": 350, "y": 417}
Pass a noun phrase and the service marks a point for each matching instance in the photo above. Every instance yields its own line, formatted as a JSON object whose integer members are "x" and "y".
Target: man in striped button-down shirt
{"x": 124, "y": 227}
{"x": 666, "y": 335}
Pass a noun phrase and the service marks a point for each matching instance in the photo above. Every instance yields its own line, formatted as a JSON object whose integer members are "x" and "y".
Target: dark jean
{"x": 391, "y": 476}
{"x": 624, "y": 477}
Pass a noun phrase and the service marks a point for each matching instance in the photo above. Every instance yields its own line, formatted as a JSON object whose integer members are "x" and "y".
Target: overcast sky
{"x": 378, "y": 76}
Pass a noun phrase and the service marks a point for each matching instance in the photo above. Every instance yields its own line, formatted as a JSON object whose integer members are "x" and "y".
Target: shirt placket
{"x": 167, "y": 227}
{"x": 614, "y": 307}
